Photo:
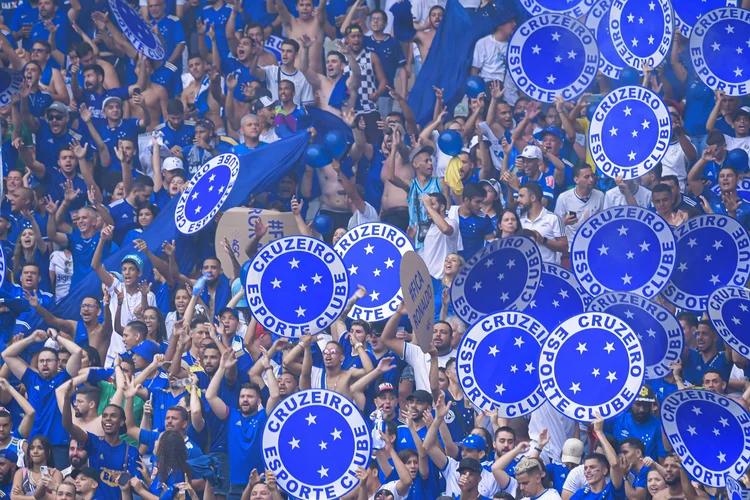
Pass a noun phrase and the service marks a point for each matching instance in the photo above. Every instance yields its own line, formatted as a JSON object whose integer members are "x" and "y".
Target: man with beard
{"x": 678, "y": 482}
{"x": 87, "y": 57}
{"x": 696, "y": 362}
{"x": 531, "y": 162}
{"x": 632, "y": 453}
{"x": 640, "y": 423}
{"x": 85, "y": 406}
{"x": 576, "y": 205}
{"x": 81, "y": 241}
{"x": 8, "y": 459}
{"x": 124, "y": 212}
{"x": 217, "y": 292}
{"x": 423, "y": 39}
{"x": 474, "y": 226}
{"x": 547, "y": 226}
{"x": 596, "y": 469}
{"x": 334, "y": 91}
{"x": 77, "y": 456}
{"x": 729, "y": 202}
{"x": 109, "y": 455}
{"x": 243, "y": 423}
{"x": 41, "y": 386}
{"x": 309, "y": 24}
{"x": 52, "y": 133}
{"x": 417, "y": 404}
{"x": 94, "y": 94}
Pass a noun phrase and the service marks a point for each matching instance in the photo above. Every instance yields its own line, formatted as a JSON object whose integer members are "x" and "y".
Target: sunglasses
{"x": 55, "y": 118}
{"x": 330, "y": 351}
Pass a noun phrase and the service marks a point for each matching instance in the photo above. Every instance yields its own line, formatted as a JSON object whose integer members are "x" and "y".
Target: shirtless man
{"x": 197, "y": 95}
{"x": 330, "y": 86}
{"x": 333, "y": 199}
{"x": 331, "y": 376}
{"x": 86, "y": 58}
{"x": 310, "y": 23}
{"x": 677, "y": 480}
{"x": 255, "y": 32}
{"x": 424, "y": 37}
{"x": 85, "y": 405}
{"x": 52, "y": 80}
{"x": 154, "y": 99}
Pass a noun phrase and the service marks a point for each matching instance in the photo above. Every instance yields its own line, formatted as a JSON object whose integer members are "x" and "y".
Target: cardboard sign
{"x": 419, "y": 297}
{"x": 238, "y": 226}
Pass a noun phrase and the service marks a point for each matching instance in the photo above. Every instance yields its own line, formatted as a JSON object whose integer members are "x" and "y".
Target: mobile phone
{"x": 124, "y": 478}
{"x": 594, "y": 98}
{"x": 27, "y": 25}
{"x": 136, "y": 91}
{"x": 572, "y": 213}
{"x": 44, "y": 469}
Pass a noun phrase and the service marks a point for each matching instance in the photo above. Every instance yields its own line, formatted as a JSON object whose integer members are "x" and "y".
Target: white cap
{"x": 572, "y": 450}
{"x": 532, "y": 153}
{"x": 172, "y": 163}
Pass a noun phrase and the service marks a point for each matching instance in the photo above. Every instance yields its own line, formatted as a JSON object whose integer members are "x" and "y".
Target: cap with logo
{"x": 172, "y": 163}
{"x": 474, "y": 442}
{"x": 133, "y": 259}
{"x": 146, "y": 349}
{"x": 572, "y": 451}
{"x": 551, "y": 130}
{"x": 646, "y": 395}
{"x": 59, "y": 107}
{"x": 87, "y": 472}
{"x": 383, "y": 388}
{"x": 420, "y": 149}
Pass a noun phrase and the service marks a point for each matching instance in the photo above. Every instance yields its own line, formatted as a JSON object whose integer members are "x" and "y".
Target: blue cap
{"x": 474, "y": 442}
{"x": 146, "y": 349}
{"x": 133, "y": 258}
{"x": 9, "y": 455}
{"x": 552, "y": 130}
{"x": 236, "y": 287}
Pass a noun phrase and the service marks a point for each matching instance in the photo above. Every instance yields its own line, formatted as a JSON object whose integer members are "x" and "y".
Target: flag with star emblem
{"x": 597, "y": 21}
{"x": 558, "y": 297}
{"x": 316, "y": 438}
{"x": 206, "y": 193}
{"x": 503, "y": 276}
{"x": 641, "y": 31}
{"x": 551, "y": 55}
{"x": 656, "y": 327}
{"x": 497, "y": 363}
{"x": 687, "y": 12}
{"x": 574, "y": 8}
{"x": 729, "y": 312}
{"x": 709, "y": 432}
{"x": 137, "y": 30}
{"x": 630, "y": 132}
{"x": 743, "y": 189}
{"x": 372, "y": 254}
{"x": 720, "y": 50}
{"x": 10, "y": 84}
{"x": 628, "y": 249}
{"x": 712, "y": 251}
{"x": 296, "y": 284}
{"x": 736, "y": 490}
{"x": 591, "y": 362}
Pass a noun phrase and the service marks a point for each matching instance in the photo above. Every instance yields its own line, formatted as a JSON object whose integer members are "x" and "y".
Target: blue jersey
{"x": 49, "y": 145}
{"x": 54, "y": 180}
{"x": 25, "y": 14}
{"x": 624, "y": 426}
{"x": 62, "y": 35}
{"x": 95, "y": 100}
{"x": 128, "y": 128}
{"x": 244, "y": 438}
{"x": 699, "y": 103}
{"x": 218, "y": 18}
{"x": 41, "y": 395}
{"x": 242, "y": 149}
{"x": 390, "y": 53}
{"x": 182, "y": 137}
{"x": 608, "y": 493}
{"x": 125, "y": 216}
{"x": 243, "y": 76}
{"x": 40, "y": 101}
{"x": 473, "y": 229}
{"x": 111, "y": 461}
{"x": 82, "y": 250}
{"x": 216, "y": 426}
{"x": 163, "y": 399}
{"x": 170, "y": 28}
{"x": 662, "y": 389}
{"x": 558, "y": 473}
{"x": 547, "y": 182}
{"x": 694, "y": 367}
{"x": 149, "y": 438}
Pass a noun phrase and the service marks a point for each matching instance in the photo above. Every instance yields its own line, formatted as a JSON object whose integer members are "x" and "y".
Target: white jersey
{"x": 568, "y": 201}
{"x": 615, "y": 198}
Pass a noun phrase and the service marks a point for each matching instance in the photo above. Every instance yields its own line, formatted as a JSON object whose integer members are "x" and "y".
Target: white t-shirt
{"x": 615, "y": 198}
{"x": 576, "y": 479}
{"x": 738, "y": 142}
{"x": 560, "y": 428}
{"x": 416, "y": 359}
{"x": 675, "y": 163}
{"x": 549, "y": 494}
{"x": 359, "y": 218}
{"x": 568, "y": 201}
{"x": 303, "y": 91}
{"x": 62, "y": 266}
{"x": 550, "y": 226}
{"x": 442, "y": 360}
{"x": 490, "y": 58}
{"x": 487, "y": 484}
{"x": 269, "y": 136}
{"x": 132, "y": 302}
{"x": 392, "y": 488}
{"x": 437, "y": 246}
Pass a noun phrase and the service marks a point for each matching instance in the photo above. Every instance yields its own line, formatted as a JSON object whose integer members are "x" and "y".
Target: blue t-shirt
{"x": 149, "y": 438}
{"x": 95, "y": 101}
{"x": 111, "y": 461}
{"x": 170, "y": 28}
{"x": 162, "y": 401}
{"x": 125, "y": 216}
{"x": 624, "y": 426}
{"x": 62, "y": 36}
{"x": 82, "y": 250}
{"x": 243, "y": 76}
{"x": 473, "y": 229}
{"x": 241, "y": 149}
{"x": 216, "y": 426}
{"x": 218, "y": 19}
{"x": 41, "y": 395}
{"x": 182, "y": 136}
{"x": 693, "y": 366}
{"x": 390, "y": 53}
{"x": 699, "y": 103}
{"x": 662, "y": 388}
{"x": 245, "y": 436}
{"x": 49, "y": 145}
{"x": 128, "y": 128}
{"x": 608, "y": 493}
{"x": 54, "y": 180}
{"x": 558, "y": 473}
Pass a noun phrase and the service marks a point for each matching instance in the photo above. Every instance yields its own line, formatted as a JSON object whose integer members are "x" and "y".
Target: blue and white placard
{"x": 641, "y": 31}
{"x": 573, "y": 8}
{"x": 709, "y": 432}
{"x": 551, "y": 55}
{"x": 314, "y": 441}
{"x": 655, "y": 326}
{"x": 713, "y": 250}
{"x": 497, "y": 363}
{"x": 10, "y": 84}
{"x": 372, "y": 253}
{"x": 729, "y": 312}
{"x": 137, "y": 30}
{"x": 206, "y": 193}
{"x": 295, "y": 285}
{"x": 720, "y": 50}
{"x": 626, "y": 249}
{"x": 503, "y": 276}
{"x": 558, "y": 297}
{"x": 630, "y": 132}
{"x": 687, "y": 12}
{"x": 591, "y": 363}
{"x": 743, "y": 189}
{"x": 736, "y": 490}
{"x": 597, "y": 20}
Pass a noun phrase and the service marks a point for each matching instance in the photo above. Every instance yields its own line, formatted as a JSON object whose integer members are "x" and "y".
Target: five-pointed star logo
{"x": 644, "y": 246}
{"x": 511, "y": 263}
{"x": 323, "y": 445}
{"x": 714, "y": 279}
{"x": 708, "y": 257}
{"x": 628, "y": 110}
{"x": 696, "y": 410}
{"x": 563, "y": 293}
{"x": 311, "y": 419}
{"x": 575, "y": 388}
{"x": 323, "y": 471}
{"x": 504, "y": 296}
{"x": 374, "y": 295}
{"x": 609, "y": 347}
{"x": 500, "y": 389}
{"x": 389, "y": 263}
{"x": 294, "y": 263}
{"x": 493, "y": 351}
{"x": 724, "y": 422}
{"x": 572, "y": 54}
{"x": 631, "y": 155}
{"x": 536, "y": 49}
{"x": 611, "y": 377}
{"x": 556, "y": 303}
{"x": 626, "y": 279}
{"x": 316, "y": 279}
{"x": 556, "y": 36}
{"x": 682, "y": 267}
{"x": 518, "y": 342}
{"x": 595, "y": 372}
{"x": 477, "y": 286}
{"x": 716, "y": 432}
{"x": 581, "y": 347}
{"x": 603, "y": 249}
{"x": 276, "y": 283}
{"x": 336, "y": 434}
{"x": 645, "y": 124}
{"x": 376, "y": 273}
{"x": 368, "y": 249}
{"x": 629, "y": 314}
{"x": 692, "y": 242}
{"x": 303, "y": 288}
{"x": 716, "y": 46}
{"x": 631, "y": 18}
{"x": 730, "y": 29}
{"x": 353, "y": 269}
{"x": 630, "y": 255}
{"x": 489, "y": 263}
{"x": 613, "y": 131}
{"x": 513, "y": 368}
{"x": 294, "y": 442}
{"x": 651, "y": 332}
{"x": 738, "y": 71}
{"x": 744, "y": 307}
{"x": 717, "y": 244}
{"x": 551, "y": 79}
{"x": 300, "y": 311}
{"x": 722, "y": 457}
{"x": 622, "y": 231}
{"x": 198, "y": 209}
{"x": 692, "y": 430}
{"x": 529, "y": 367}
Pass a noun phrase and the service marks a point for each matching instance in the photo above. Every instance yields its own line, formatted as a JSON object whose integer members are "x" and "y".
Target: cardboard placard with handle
{"x": 419, "y": 297}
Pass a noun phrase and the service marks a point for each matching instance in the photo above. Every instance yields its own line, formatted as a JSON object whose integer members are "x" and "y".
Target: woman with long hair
{"x": 157, "y": 329}
{"x": 508, "y": 224}
{"x": 461, "y": 406}
{"x": 180, "y": 302}
{"x": 654, "y": 483}
{"x": 443, "y": 307}
{"x": 39, "y": 467}
{"x": 492, "y": 204}
{"x": 146, "y": 215}
{"x": 170, "y": 466}
{"x": 31, "y": 248}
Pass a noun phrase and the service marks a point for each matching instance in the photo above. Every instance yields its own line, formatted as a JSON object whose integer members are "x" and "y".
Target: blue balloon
{"x": 335, "y": 143}
{"x": 316, "y": 156}
{"x": 450, "y": 142}
{"x": 738, "y": 159}
{"x": 323, "y": 224}
{"x": 475, "y": 86}
{"x": 629, "y": 76}
{"x": 590, "y": 110}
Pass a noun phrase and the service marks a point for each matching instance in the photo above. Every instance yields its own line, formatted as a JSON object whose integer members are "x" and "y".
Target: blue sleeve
{"x": 162, "y": 298}
{"x": 178, "y": 34}
{"x": 121, "y": 92}
{"x": 548, "y": 191}
{"x": 97, "y": 375}
{"x": 148, "y": 437}
{"x": 29, "y": 378}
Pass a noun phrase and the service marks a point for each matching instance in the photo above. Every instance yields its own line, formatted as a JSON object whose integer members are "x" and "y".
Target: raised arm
{"x": 96, "y": 261}
{"x": 615, "y": 472}
{"x": 304, "y": 61}
{"x": 67, "y": 419}
{"x": 220, "y": 409}
{"x": 24, "y": 428}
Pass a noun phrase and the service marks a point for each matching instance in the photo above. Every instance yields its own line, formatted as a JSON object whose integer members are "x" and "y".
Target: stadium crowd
{"x": 154, "y": 391}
